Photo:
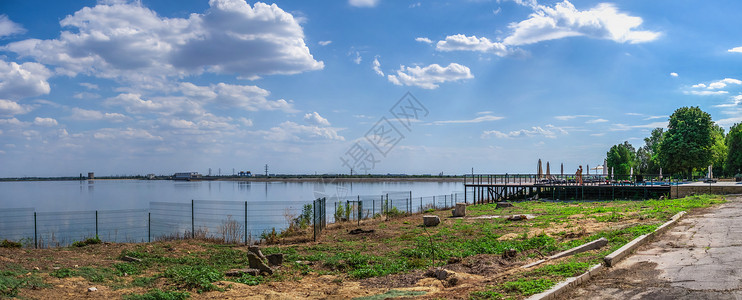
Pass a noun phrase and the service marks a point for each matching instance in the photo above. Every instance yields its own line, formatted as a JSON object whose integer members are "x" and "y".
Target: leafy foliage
{"x": 621, "y": 158}
{"x": 734, "y": 153}
{"x": 687, "y": 144}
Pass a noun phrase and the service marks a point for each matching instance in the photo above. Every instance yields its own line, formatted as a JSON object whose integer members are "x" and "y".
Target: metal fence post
{"x": 246, "y": 223}
{"x": 149, "y": 227}
{"x": 193, "y": 220}
{"x": 96, "y": 224}
{"x": 360, "y": 210}
{"x": 35, "y": 241}
{"x": 421, "y": 204}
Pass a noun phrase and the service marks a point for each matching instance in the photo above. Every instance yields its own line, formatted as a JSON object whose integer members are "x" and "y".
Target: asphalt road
{"x": 699, "y": 258}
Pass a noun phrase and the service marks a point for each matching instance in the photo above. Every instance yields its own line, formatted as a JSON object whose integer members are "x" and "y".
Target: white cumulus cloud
{"x": 603, "y": 21}
{"x": 290, "y": 131}
{"x": 10, "y": 108}
{"x": 315, "y": 119}
{"x": 44, "y": 121}
{"x": 8, "y": 27}
{"x": 376, "y": 65}
{"x": 363, "y": 3}
{"x": 423, "y": 40}
{"x": 460, "y": 42}
{"x": 81, "y": 114}
{"x": 25, "y": 80}
{"x": 429, "y": 77}
{"x": 129, "y": 41}
{"x": 736, "y": 49}
{"x": 549, "y": 131}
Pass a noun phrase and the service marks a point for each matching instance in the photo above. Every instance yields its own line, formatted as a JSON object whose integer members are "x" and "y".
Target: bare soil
{"x": 467, "y": 275}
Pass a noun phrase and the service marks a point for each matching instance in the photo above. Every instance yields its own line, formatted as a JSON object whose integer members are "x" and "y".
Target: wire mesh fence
{"x": 225, "y": 221}
{"x": 17, "y": 224}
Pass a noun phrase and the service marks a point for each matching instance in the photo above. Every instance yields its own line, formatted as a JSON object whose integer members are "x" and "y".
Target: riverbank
{"x": 482, "y": 257}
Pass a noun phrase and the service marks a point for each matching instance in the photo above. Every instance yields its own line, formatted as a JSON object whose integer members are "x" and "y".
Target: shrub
{"x": 10, "y": 244}
{"x": 88, "y": 241}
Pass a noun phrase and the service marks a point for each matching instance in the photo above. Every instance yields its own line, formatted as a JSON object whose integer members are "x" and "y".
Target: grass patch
{"x": 157, "y": 294}
{"x": 391, "y": 294}
{"x": 13, "y": 278}
{"x": 97, "y": 275}
{"x": 200, "y": 278}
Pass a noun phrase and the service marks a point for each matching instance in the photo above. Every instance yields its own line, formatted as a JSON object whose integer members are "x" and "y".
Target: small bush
{"x": 10, "y": 244}
{"x": 270, "y": 237}
{"x": 88, "y": 241}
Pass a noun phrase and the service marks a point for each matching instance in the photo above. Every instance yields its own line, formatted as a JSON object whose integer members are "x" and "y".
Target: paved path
{"x": 699, "y": 258}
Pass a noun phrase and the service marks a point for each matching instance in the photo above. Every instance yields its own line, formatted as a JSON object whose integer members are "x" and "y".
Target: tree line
{"x": 690, "y": 144}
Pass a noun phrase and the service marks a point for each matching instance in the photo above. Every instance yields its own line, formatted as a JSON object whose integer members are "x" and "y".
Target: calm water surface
{"x": 53, "y": 196}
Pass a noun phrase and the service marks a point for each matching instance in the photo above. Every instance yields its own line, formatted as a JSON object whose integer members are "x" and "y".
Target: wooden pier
{"x": 502, "y": 187}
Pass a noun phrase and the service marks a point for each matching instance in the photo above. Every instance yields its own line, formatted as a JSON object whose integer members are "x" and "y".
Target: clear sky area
{"x": 380, "y": 86}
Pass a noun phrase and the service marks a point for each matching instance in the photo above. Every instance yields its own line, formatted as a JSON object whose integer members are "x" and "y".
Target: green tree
{"x": 719, "y": 150}
{"x": 621, "y": 158}
{"x": 687, "y": 144}
{"x": 652, "y": 148}
{"x": 734, "y": 153}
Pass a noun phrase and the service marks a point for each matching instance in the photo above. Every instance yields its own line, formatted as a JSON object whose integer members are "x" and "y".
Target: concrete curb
{"x": 566, "y": 285}
{"x": 610, "y": 260}
{"x": 616, "y": 256}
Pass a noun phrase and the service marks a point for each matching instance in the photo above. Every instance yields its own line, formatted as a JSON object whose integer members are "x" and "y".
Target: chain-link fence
{"x": 224, "y": 221}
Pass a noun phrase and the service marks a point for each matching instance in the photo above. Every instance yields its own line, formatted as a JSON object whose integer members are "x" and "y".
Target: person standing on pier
{"x": 578, "y": 175}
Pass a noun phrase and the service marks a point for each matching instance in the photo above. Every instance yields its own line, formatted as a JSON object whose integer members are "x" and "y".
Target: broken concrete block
{"x": 240, "y": 272}
{"x": 256, "y": 250}
{"x": 257, "y": 263}
{"x": 275, "y": 259}
{"x": 131, "y": 259}
{"x": 429, "y": 221}
{"x": 517, "y": 217}
{"x": 460, "y": 210}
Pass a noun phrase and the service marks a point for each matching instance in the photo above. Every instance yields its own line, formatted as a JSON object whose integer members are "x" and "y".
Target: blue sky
{"x": 161, "y": 86}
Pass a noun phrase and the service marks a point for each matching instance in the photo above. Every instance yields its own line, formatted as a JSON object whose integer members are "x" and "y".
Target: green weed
{"x": 200, "y": 278}
{"x": 157, "y": 294}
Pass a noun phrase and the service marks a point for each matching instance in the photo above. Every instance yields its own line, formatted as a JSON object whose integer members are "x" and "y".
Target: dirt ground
{"x": 466, "y": 275}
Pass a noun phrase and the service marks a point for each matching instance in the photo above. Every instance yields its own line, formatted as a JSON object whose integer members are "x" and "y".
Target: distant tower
{"x": 209, "y": 171}
{"x": 91, "y": 175}
{"x": 266, "y": 170}
{"x": 220, "y": 171}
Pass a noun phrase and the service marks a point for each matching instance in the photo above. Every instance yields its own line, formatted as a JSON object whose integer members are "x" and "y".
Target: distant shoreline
{"x": 309, "y": 178}
{"x": 344, "y": 179}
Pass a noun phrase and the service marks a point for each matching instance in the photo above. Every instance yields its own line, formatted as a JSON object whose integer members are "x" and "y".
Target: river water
{"x": 55, "y": 196}
{"x": 57, "y": 213}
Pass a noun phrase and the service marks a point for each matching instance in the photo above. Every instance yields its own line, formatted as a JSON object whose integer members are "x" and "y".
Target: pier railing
{"x": 484, "y": 188}
{"x": 588, "y": 179}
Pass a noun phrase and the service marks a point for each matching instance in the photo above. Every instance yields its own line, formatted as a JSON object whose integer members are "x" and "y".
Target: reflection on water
{"x": 137, "y": 194}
